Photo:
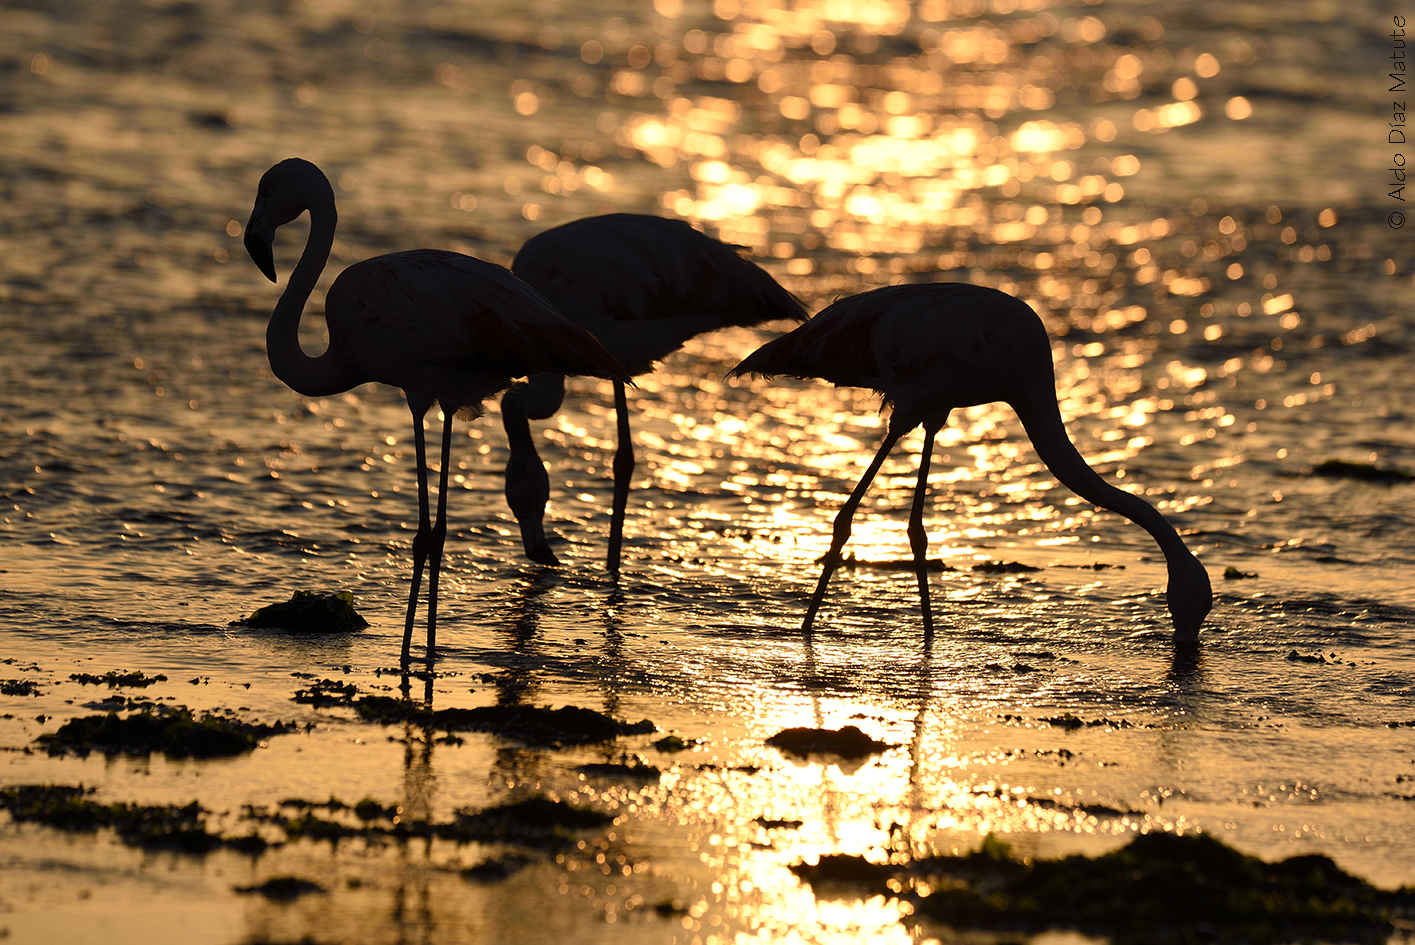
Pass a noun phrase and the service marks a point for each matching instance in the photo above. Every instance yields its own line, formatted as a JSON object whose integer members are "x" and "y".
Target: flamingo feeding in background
{"x": 642, "y": 285}
{"x": 446, "y": 328}
{"x": 932, "y": 348}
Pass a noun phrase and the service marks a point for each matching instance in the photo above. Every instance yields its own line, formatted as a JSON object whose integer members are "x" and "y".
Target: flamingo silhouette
{"x": 642, "y": 285}
{"x": 446, "y": 328}
{"x": 932, "y": 348}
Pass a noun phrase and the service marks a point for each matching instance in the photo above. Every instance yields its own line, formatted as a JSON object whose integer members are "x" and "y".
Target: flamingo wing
{"x": 835, "y": 345}
{"x": 934, "y": 333}
{"x": 631, "y": 267}
{"x": 452, "y": 311}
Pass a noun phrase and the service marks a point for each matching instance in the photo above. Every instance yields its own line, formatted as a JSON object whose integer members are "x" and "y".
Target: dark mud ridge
{"x": 1161, "y": 889}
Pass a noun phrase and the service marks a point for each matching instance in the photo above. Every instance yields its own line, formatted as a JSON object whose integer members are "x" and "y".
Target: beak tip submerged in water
{"x": 540, "y": 553}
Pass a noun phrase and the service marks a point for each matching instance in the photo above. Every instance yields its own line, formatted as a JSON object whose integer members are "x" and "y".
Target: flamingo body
{"x": 446, "y": 328}
{"x": 935, "y": 347}
{"x": 643, "y": 285}
{"x": 450, "y": 329}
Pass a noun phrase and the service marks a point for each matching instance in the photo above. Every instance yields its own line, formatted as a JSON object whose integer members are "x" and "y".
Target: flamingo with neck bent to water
{"x": 930, "y": 349}
{"x": 446, "y": 328}
{"x": 643, "y": 285}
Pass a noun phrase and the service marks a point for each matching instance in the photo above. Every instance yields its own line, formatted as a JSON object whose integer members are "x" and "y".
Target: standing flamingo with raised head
{"x": 446, "y": 328}
{"x": 932, "y": 348}
{"x": 642, "y": 285}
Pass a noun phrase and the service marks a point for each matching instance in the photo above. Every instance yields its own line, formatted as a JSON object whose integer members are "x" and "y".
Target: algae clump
{"x": 530, "y": 725}
{"x": 1339, "y": 468}
{"x": 171, "y": 730}
{"x": 1157, "y": 890}
{"x": 847, "y": 742}
{"x": 309, "y": 613}
{"x": 161, "y": 826}
{"x": 114, "y": 679}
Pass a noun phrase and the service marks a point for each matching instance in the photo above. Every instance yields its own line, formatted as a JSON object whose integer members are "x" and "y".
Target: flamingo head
{"x": 1189, "y": 596}
{"x": 285, "y": 192}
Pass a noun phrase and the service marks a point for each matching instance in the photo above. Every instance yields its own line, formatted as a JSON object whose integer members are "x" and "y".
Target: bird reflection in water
{"x": 642, "y": 285}
{"x": 412, "y": 898}
{"x": 932, "y": 348}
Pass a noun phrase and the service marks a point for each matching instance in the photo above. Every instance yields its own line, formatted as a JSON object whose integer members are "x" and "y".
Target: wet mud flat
{"x": 342, "y": 795}
{"x": 1182, "y": 191}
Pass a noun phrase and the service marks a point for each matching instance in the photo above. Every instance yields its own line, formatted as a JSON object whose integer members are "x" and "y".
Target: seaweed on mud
{"x": 1019, "y": 669}
{"x": 1337, "y": 468}
{"x": 1003, "y": 567}
{"x": 670, "y": 744}
{"x": 18, "y": 687}
{"x": 850, "y": 563}
{"x": 840, "y": 868}
{"x": 497, "y": 868}
{"x": 283, "y": 888}
{"x": 369, "y": 809}
{"x": 632, "y": 770}
{"x": 1095, "y": 810}
{"x": 172, "y": 730}
{"x": 535, "y": 822}
{"x": 158, "y": 826}
{"x": 326, "y": 692}
{"x": 305, "y": 612}
{"x": 113, "y": 679}
{"x": 768, "y": 824}
{"x": 531, "y": 725}
{"x": 1071, "y": 722}
{"x": 670, "y": 907}
{"x": 122, "y": 703}
{"x": 847, "y": 742}
{"x": 1159, "y": 889}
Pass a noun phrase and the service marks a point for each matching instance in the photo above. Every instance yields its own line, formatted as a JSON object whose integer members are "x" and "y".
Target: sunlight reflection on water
{"x": 1181, "y": 194}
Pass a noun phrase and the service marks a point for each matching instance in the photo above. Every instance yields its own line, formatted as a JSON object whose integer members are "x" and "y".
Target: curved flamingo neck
{"x": 327, "y": 373}
{"x": 1042, "y": 419}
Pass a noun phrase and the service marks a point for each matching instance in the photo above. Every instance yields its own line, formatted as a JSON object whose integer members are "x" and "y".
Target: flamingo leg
{"x": 918, "y": 538}
{"x": 623, "y": 471}
{"x": 421, "y": 539}
{"x": 438, "y": 538}
{"x": 842, "y": 526}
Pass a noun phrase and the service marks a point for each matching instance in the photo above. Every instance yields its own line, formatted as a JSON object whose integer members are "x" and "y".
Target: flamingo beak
{"x": 260, "y": 242}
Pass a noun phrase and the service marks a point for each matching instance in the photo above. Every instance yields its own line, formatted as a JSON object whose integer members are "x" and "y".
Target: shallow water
{"x": 1191, "y": 195}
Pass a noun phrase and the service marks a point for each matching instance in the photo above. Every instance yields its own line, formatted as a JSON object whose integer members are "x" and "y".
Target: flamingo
{"x": 642, "y": 285}
{"x": 930, "y": 349}
{"x": 444, "y": 327}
